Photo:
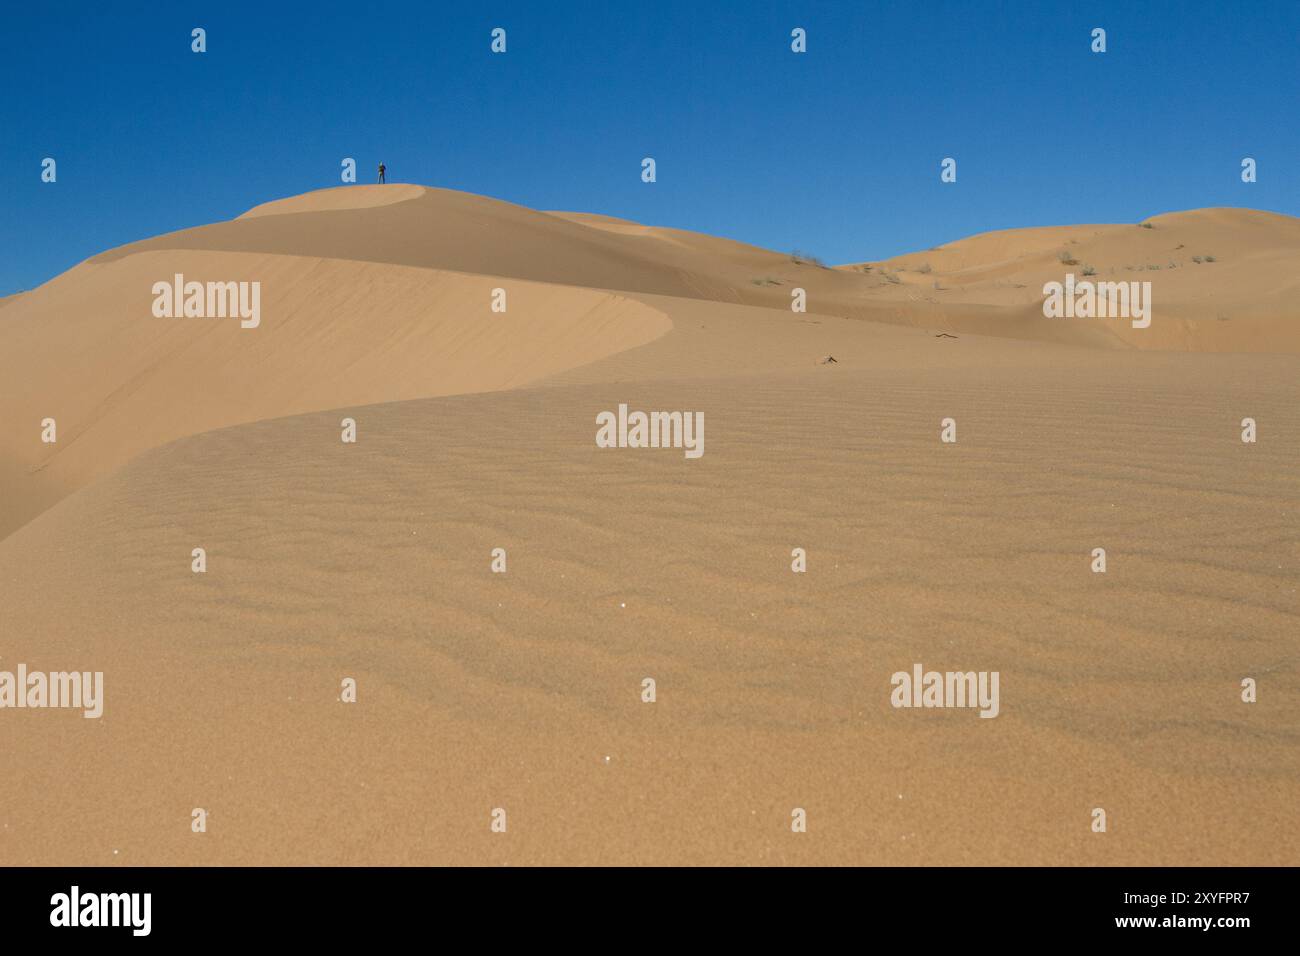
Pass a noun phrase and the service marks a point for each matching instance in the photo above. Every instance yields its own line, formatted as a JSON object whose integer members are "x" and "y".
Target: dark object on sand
{"x": 944, "y": 335}
{"x": 827, "y": 360}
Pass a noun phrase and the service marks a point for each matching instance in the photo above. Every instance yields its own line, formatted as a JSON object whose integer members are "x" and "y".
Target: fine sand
{"x": 523, "y": 690}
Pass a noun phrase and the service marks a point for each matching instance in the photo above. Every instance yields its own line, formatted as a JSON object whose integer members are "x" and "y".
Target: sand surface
{"x": 523, "y": 690}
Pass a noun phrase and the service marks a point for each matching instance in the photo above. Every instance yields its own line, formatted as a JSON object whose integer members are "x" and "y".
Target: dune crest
{"x": 336, "y": 198}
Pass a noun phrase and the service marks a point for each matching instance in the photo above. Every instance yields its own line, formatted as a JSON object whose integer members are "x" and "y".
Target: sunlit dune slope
{"x": 523, "y": 690}
{"x": 86, "y": 351}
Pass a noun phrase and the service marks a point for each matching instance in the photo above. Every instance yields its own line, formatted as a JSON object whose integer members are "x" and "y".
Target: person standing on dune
{"x": 382, "y": 167}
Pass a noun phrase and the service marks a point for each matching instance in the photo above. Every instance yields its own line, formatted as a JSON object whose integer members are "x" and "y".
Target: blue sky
{"x": 835, "y": 152}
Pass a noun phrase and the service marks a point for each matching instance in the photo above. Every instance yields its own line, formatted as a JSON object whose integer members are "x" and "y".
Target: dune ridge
{"x": 361, "y": 258}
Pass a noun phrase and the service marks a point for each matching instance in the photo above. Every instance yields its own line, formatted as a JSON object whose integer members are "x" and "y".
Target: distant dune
{"x": 522, "y": 690}
{"x": 1223, "y": 280}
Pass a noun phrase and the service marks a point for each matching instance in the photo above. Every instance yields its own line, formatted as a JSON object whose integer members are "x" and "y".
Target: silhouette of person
{"x": 382, "y": 167}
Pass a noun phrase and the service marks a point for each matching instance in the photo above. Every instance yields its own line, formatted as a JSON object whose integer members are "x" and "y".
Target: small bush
{"x": 1089, "y": 271}
{"x": 1210, "y": 259}
{"x": 1146, "y": 225}
{"x": 925, "y": 269}
{"x": 1196, "y": 259}
{"x": 1066, "y": 258}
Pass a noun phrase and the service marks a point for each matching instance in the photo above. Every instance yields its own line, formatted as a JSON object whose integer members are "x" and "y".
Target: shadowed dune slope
{"x": 461, "y": 232}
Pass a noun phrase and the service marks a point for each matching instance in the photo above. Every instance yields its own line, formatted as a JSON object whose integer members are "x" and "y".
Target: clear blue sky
{"x": 835, "y": 152}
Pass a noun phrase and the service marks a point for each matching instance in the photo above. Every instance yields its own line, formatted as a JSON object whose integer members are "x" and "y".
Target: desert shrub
{"x": 805, "y": 258}
{"x": 1089, "y": 271}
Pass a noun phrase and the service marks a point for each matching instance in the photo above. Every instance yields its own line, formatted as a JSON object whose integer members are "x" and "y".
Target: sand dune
{"x": 988, "y": 285}
{"x": 1243, "y": 300}
{"x": 352, "y": 276}
{"x": 522, "y": 690}
{"x": 86, "y": 351}
{"x": 480, "y": 690}
{"x": 460, "y": 232}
